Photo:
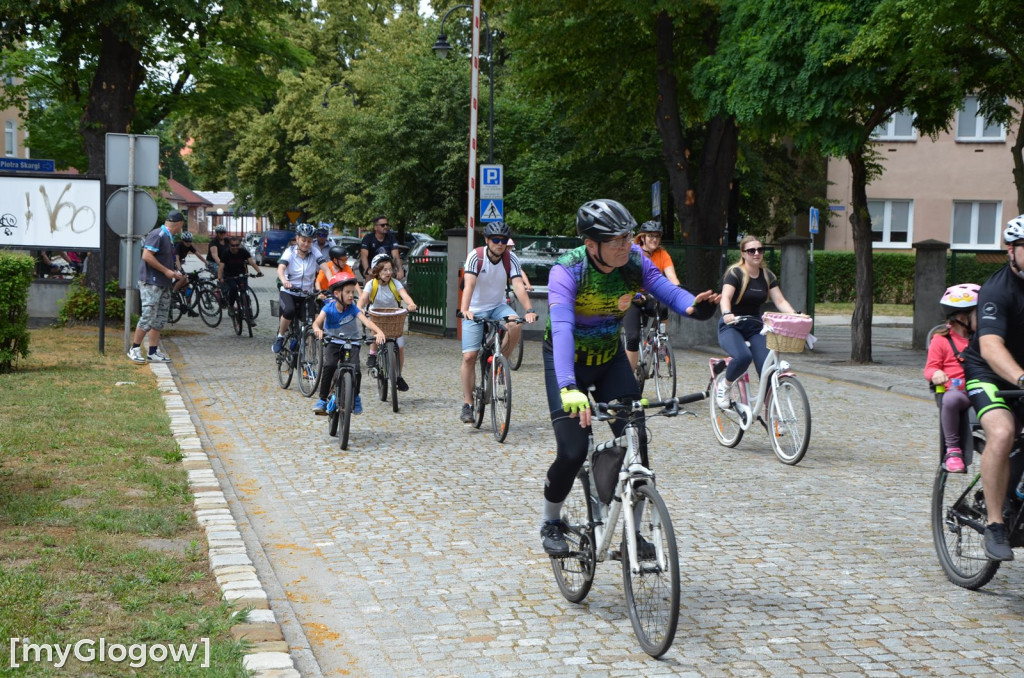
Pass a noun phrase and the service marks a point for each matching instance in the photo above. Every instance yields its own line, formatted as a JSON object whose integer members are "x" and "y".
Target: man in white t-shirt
{"x": 483, "y": 297}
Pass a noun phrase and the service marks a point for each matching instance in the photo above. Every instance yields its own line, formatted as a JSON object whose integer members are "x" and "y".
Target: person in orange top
{"x": 338, "y": 263}
{"x": 649, "y": 239}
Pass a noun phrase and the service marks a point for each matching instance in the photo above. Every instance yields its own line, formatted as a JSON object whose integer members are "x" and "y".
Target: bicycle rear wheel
{"x": 209, "y": 306}
{"x": 789, "y": 420}
{"x": 391, "y": 358}
{"x": 574, "y": 573}
{"x": 664, "y": 366}
{"x": 959, "y": 517}
{"x": 725, "y": 422}
{"x": 284, "y": 365}
{"x": 501, "y": 398}
{"x": 346, "y": 400}
{"x": 652, "y": 593}
{"x": 311, "y": 361}
{"x": 254, "y": 302}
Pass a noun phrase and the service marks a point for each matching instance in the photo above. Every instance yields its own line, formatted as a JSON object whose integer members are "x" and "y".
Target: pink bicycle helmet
{"x": 959, "y": 298}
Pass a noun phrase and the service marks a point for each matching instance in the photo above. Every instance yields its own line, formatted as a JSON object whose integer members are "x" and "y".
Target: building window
{"x": 891, "y": 222}
{"x": 976, "y": 224}
{"x": 971, "y": 126}
{"x": 900, "y": 127}
{"x": 10, "y": 139}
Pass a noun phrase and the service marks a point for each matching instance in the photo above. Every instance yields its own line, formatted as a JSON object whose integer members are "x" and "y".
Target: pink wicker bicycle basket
{"x": 391, "y": 321}
{"x": 788, "y": 332}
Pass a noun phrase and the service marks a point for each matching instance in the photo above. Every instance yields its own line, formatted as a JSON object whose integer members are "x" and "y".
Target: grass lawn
{"x": 97, "y": 535}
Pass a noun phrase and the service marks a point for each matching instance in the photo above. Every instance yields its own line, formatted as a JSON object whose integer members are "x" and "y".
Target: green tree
{"x": 827, "y": 74}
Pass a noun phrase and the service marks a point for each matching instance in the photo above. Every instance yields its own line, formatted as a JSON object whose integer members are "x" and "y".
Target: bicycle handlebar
{"x": 514, "y": 319}
{"x": 606, "y": 411}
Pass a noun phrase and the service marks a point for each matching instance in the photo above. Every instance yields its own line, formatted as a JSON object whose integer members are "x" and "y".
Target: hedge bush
{"x": 16, "y": 274}
{"x": 83, "y": 304}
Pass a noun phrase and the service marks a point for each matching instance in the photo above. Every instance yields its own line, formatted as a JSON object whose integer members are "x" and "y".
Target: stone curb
{"x": 268, "y": 655}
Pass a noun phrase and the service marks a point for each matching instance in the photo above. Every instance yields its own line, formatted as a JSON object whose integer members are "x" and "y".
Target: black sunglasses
{"x": 499, "y": 241}
{"x": 754, "y": 250}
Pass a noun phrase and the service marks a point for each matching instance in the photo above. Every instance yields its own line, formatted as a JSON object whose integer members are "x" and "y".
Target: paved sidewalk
{"x": 416, "y": 552}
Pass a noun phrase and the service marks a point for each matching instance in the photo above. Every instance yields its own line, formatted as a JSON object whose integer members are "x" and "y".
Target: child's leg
{"x": 332, "y": 352}
{"x": 401, "y": 352}
{"x": 953, "y": 404}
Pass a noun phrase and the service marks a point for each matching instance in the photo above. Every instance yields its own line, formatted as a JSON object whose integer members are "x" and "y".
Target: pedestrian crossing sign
{"x": 492, "y": 210}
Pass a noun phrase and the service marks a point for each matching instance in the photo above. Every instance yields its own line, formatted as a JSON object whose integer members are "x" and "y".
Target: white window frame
{"x": 974, "y": 244}
{"x": 980, "y": 124}
{"x": 887, "y": 130}
{"x": 10, "y": 139}
{"x": 885, "y": 243}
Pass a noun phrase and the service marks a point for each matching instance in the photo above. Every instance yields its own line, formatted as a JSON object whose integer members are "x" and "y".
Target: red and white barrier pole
{"x": 474, "y": 106}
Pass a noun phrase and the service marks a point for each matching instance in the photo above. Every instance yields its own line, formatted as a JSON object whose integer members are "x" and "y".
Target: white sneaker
{"x": 159, "y": 356}
{"x": 135, "y": 355}
{"x": 722, "y": 394}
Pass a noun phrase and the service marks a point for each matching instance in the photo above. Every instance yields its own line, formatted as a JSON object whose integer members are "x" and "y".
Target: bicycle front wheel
{"x": 254, "y": 302}
{"x": 391, "y": 358}
{"x": 789, "y": 421}
{"x": 333, "y": 415}
{"x": 640, "y": 371}
{"x": 209, "y": 307}
{"x": 574, "y": 573}
{"x": 501, "y": 397}
{"x": 346, "y": 400}
{"x": 652, "y": 592}
{"x": 178, "y": 305}
{"x": 480, "y": 395}
{"x": 236, "y": 315}
{"x": 958, "y": 526}
{"x": 284, "y": 365}
{"x": 726, "y": 423}
{"x": 664, "y": 370}
{"x": 516, "y": 359}
{"x": 311, "y": 360}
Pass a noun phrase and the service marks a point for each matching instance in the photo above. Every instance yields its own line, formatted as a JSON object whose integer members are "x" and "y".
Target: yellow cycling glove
{"x": 574, "y": 401}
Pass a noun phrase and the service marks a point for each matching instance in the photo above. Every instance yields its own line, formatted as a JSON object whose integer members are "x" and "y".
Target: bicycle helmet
{"x": 380, "y": 258}
{"x": 220, "y": 228}
{"x": 337, "y": 252}
{"x": 650, "y": 227}
{"x": 603, "y": 220}
{"x": 305, "y": 230}
{"x": 322, "y": 231}
{"x": 960, "y": 298}
{"x": 497, "y": 228}
{"x": 186, "y": 236}
{"x": 340, "y": 280}
{"x": 1014, "y": 230}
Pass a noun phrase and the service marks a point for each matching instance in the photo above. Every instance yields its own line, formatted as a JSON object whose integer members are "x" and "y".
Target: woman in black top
{"x": 746, "y": 286}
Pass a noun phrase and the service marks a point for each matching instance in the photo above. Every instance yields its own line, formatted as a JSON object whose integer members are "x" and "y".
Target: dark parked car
{"x": 272, "y": 246}
{"x": 428, "y": 248}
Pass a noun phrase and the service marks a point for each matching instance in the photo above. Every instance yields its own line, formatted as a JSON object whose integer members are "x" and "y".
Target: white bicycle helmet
{"x": 1014, "y": 230}
{"x": 380, "y": 258}
{"x": 959, "y": 298}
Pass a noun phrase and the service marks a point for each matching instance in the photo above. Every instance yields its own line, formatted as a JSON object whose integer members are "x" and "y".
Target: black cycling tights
{"x": 612, "y": 381}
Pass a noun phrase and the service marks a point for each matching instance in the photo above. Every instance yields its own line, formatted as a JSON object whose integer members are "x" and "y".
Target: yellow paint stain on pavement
{"x": 293, "y": 547}
{"x": 320, "y": 632}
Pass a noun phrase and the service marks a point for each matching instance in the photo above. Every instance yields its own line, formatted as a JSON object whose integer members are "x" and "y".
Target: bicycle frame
{"x": 773, "y": 368}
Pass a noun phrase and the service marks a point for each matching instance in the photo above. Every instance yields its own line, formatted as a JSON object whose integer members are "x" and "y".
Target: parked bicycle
{"x": 386, "y": 371}
{"x": 959, "y": 512}
{"x": 656, "y": 360}
{"x": 300, "y": 333}
{"x": 343, "y": 392}
{"x": 614, "y": 486}
{"x": 780, "y": 405}
{"x": 201, "y": 295}
{"x": 493, "y": 378}
{"x": 240, "y": 310}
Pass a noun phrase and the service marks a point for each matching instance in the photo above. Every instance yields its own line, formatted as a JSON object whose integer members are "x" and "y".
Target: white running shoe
{"x": 159, "y": 356}
{"x": 722, "y": 394}
{"x": 135, "y": 355}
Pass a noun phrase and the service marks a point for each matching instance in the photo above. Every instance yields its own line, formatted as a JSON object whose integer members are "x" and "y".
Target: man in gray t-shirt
{"x": 156, "y": 276}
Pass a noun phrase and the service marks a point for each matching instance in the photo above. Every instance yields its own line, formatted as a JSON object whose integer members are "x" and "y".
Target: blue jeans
{"x": 733, "y": 339}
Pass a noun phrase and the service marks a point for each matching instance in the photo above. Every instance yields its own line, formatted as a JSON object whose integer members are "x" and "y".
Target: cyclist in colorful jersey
{"x": 589, "y": 290}
{"x": 649, "y": 239}
{"x": 296, "y": 271}
{"x": 992, "y": 361}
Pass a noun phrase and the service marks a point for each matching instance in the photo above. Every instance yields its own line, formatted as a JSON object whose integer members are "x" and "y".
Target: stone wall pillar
{"x": 794, "y": 266}
{"x": 929, "y": 286}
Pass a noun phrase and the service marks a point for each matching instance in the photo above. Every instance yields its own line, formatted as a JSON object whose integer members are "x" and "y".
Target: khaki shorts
{"x": 156, "y": 304}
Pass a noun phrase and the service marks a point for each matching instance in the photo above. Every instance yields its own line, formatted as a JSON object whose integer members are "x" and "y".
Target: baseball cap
{"x": 175, "y": 216}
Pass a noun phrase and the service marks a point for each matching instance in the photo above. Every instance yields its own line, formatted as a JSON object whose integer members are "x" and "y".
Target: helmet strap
{"x": 1013, "y": 264}
{"x": 598, "y": 258}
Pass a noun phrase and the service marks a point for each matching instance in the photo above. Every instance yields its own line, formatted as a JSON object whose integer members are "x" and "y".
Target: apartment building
{"x": 957, "y": 189}
{"x": 14, "y": 130}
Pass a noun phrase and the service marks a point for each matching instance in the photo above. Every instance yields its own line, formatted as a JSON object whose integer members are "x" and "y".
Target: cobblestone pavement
{"x": 416, "y": 552}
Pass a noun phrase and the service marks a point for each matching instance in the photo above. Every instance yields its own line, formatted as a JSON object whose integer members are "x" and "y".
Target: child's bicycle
{"x": 392, "y": 323}
{"x": 343, "y": 392}
{"x": 959, "y": 512}
{"x": 614, "y": 486}
{"x": 780, "y": 405}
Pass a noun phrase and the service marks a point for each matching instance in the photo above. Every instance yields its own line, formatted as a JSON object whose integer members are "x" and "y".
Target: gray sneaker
{"x": 997, "y": 546}
{"x": 552, "y": 537}
{"x": 135, "y": 355}
{"x": 159, "y": 356}
{"x": 467, "y": 414}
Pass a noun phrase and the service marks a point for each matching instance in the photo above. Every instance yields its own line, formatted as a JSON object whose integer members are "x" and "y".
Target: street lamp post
{"x": 442, "y": 48}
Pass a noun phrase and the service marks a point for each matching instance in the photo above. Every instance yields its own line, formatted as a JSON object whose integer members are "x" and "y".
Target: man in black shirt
{"x": 381, "y": 241}
{"x": 233, "y": 260}
{"x": 992, "y": 361}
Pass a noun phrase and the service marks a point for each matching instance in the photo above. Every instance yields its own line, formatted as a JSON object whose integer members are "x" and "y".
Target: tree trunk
{"x": 718, "y": 163}
{"x": 860, "y": 326}
{"x": 110, "y": 109}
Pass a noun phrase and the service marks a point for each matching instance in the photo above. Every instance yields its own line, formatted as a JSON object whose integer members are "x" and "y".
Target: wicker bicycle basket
{"x": 390, "y": 321}
{"x": 788, "y": 332}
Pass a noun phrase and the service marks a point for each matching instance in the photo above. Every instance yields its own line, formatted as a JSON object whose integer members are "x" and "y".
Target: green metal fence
{"x": 428, "y": 286}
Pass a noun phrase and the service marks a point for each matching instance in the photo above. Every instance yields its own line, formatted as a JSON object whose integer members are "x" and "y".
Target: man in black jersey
{"x": 992, "y": 361}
